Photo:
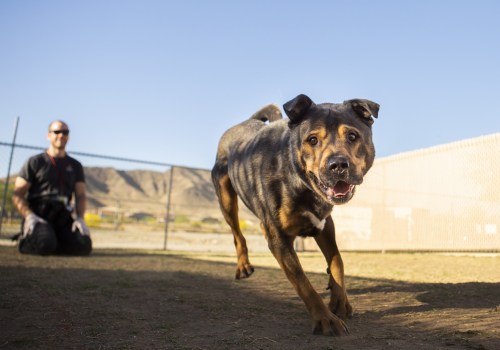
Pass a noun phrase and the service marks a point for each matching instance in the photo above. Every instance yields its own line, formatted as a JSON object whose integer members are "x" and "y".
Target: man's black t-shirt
{"x": 51, "y": 176}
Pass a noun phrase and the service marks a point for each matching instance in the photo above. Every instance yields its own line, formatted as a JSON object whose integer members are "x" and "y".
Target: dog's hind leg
{"x": 228, "y": 202}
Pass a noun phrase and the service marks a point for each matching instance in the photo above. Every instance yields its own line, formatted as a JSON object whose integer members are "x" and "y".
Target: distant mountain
{"x": 147, "y": 191}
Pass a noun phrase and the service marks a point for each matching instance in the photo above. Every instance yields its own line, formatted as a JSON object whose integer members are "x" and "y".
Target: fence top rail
{"x": 480, "y": 140}
{"x": 122, "y": 159}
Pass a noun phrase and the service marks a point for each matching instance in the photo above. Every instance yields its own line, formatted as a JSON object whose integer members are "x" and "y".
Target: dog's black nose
{"x": 338, "y": 164}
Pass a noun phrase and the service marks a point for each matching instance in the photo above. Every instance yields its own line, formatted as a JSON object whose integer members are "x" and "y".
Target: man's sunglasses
{"x": 57, "y": 132}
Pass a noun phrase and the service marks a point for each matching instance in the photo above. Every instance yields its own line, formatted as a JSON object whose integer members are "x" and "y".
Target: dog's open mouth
{"x": 341, "y": 189}
{"x": 341, "y": 192}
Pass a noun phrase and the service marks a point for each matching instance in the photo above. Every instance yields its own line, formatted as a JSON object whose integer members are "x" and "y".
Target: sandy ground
{"x": 152, "y": 299}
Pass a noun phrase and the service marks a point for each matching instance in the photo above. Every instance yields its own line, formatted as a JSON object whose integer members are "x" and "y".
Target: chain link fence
{"x": 137, "y": 203}
{"x": 445, "y": 198}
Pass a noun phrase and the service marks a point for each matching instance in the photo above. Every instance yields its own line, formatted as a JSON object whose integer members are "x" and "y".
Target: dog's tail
{"x": 269, "y": 113}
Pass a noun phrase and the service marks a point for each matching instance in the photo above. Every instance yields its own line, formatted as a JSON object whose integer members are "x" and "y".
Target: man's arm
{"x": 80, "y": 206}
{"x": 80, "y": 199}
{"x": 21, "y": 187}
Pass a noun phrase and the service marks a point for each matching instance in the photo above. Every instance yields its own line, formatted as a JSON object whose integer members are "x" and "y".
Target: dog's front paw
{"x": 330, "y": 325}
{"x": 244, "y": 269}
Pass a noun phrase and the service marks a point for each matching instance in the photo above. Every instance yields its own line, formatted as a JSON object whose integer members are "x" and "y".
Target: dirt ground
{"x": 138, "y": 299}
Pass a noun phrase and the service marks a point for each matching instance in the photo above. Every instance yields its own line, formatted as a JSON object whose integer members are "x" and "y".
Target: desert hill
{"x": 146, "y": 191}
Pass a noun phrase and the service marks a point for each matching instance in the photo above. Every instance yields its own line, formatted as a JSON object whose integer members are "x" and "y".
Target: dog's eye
{"x": 352, "y": 136}
{"x": 312, "y": 140}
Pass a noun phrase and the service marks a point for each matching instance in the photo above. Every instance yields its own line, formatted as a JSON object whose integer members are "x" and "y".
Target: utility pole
{"x": 169, "y": 197}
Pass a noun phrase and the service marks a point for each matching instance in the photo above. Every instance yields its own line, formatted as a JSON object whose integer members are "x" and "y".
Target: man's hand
{"x": 30, "y": 223}
{"x": 80, "y": 225}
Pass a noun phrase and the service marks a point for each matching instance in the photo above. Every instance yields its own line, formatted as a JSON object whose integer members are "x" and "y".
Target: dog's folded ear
{"x": 365, "y": 109}
{"x": 296, "y": 108}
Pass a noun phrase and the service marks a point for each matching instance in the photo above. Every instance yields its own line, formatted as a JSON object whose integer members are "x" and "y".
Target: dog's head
{"x": 332, "y": 144}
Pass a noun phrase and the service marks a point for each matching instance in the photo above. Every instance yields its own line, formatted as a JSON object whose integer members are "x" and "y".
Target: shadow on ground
{"x": 137, "y": 300}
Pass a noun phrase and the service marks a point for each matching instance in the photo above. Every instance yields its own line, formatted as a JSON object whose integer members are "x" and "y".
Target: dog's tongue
{"x": 341, "y": 189}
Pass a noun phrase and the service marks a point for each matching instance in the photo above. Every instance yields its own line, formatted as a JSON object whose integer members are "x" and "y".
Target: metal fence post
{"x": 167, "y": 216}
{"x": 6, "y": 187}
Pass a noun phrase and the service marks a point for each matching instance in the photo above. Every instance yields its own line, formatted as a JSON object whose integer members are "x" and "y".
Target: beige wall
{"x": 442, "y": 198}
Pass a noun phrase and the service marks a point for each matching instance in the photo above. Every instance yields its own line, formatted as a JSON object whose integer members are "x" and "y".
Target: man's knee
{"x": 41, "y": 241}
{"x": 85, "y": 245}
{"x": 73, "y": 243}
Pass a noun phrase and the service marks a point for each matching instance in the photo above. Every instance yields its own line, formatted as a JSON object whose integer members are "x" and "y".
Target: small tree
{"x": 9, "y": 207}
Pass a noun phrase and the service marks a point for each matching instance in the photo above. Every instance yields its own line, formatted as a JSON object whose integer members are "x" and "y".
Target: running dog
{"x": 290, "y": 173}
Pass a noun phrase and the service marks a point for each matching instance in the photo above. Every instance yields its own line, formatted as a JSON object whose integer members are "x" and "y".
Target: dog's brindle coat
{"x": 290, "y": 174}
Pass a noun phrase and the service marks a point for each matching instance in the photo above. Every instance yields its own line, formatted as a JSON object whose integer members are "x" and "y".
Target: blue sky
{"x": 162, "y": 80}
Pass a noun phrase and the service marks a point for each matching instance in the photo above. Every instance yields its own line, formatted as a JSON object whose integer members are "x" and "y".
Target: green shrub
{"x": 93, "y": 220}
{"x": 181, "y": 219}
{"x": 243, "y": 224}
